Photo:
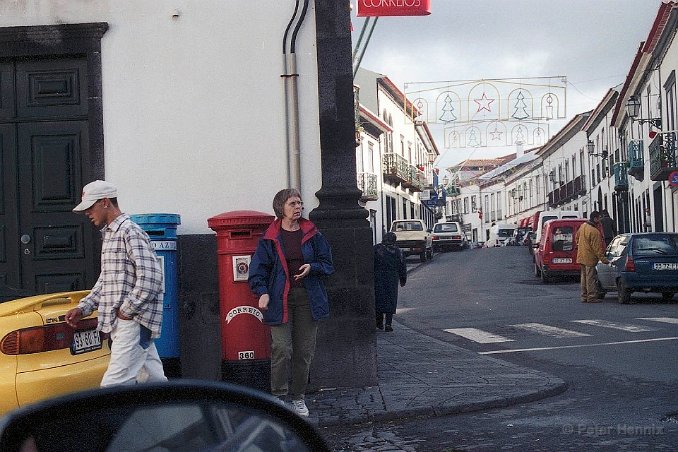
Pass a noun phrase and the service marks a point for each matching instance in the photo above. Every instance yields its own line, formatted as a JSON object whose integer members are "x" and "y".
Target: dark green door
{"x": 44, "y": 247}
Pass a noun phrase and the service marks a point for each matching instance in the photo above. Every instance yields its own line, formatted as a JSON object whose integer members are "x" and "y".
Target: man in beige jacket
{"x": 590, "y": 250}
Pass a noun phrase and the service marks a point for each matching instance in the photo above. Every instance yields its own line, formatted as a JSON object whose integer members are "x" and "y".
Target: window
{"x": 655, "y": 245}
{"x": 359, "y": 157}
{"x": 446, "y": 227}
{"x": 563, "y": 238}
{"x": 567, "y": 171}
{"x": 670, "y": 90}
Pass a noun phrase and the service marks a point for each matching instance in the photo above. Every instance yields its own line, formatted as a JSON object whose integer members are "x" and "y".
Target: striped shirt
{"x": 131, "y": 278}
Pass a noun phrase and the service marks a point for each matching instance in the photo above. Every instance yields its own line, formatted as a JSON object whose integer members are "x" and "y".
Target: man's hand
{"x": 73, "y": 317}
{"x": 263, "y": 302}
{"x": 122, "y": 316}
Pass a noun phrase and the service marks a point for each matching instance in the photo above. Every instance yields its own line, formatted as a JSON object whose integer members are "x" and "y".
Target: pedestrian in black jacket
{"x": 609, "y": 228}
{"x": 389, "y": 269}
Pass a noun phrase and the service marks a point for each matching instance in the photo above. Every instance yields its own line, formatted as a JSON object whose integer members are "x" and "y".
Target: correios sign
{"x": 394, "y": 8}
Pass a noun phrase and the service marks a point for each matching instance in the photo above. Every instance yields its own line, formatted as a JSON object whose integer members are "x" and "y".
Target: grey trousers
{"x": 589, "y": 283}
{"x": 293, "y": 345}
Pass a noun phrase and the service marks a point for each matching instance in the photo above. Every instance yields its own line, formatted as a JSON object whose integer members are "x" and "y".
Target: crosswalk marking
{"x": 616, "y": 326}
{"x": 476, "y": 335}
{"x": 548, "y": 330}
{"x": 660, "y": 319}
{"x": 536, "y": 349}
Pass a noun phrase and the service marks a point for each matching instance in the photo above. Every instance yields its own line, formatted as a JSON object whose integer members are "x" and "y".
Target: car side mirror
{"x": 176, "y": 415}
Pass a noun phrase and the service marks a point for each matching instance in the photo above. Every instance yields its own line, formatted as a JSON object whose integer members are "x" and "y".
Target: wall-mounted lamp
{"x": 591, "y": 148}
{"x": 633, "y": 110}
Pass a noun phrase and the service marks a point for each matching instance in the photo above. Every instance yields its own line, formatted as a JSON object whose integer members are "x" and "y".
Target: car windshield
{"x": 652, "y": 245}
{"x": 562, "y": 238}
{"x": 505, "y": 232}
{"x": 408, "y": 226}
{"x": 445, "y": 227}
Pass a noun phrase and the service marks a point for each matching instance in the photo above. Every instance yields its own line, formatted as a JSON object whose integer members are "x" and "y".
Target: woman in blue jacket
{"x": 286, "y": 274}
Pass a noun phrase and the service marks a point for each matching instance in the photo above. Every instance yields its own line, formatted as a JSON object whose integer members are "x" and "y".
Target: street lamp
{"x": 633, "y": 110}
{"x": 591, "y": 148}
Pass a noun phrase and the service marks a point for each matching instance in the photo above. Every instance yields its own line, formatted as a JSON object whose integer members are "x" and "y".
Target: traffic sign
{"x": 673, "y": 179}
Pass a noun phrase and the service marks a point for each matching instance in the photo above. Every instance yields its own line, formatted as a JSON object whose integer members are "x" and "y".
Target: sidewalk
{"x": 421, "y": 375}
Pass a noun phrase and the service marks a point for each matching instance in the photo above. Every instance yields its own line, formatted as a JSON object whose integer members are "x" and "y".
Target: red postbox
{"x": 245, "y": 339}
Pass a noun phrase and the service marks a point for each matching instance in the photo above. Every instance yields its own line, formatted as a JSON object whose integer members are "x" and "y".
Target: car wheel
{"x": 667, "y": 296}
{"x": 623, "y": 294}
{"x": 537, "y": 272}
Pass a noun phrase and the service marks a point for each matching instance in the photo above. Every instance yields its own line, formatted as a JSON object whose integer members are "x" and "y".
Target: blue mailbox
{"x": 162, "y": 229}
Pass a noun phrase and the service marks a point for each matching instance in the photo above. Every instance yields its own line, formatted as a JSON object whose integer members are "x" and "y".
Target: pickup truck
{"x": 413, "y": 238}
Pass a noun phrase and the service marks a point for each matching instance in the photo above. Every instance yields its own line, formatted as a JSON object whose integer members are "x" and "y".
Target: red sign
{"x": 673, "y": 179}
{"x": 394, "y": 8}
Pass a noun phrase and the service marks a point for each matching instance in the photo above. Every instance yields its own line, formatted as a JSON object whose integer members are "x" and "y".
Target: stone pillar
{"x": 346, "y": 351}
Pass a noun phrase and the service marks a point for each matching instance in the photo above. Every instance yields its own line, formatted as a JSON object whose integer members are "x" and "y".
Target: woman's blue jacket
{"x": 269, "y": 274}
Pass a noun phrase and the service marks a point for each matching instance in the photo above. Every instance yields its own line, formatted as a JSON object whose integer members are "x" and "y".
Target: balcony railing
{"x": 663, "y": 157}
{"x": 636, "y": 165}
{"x": 452, "y": 190}
{"x": 367, "y": 183}
{"x": 416, "y": 179}
{"x": 396, "y": 167}
{"x": 621, "y": 180}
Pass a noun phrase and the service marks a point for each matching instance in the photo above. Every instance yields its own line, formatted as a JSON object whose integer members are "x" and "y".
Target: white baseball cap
{"x": 95, "y": 191}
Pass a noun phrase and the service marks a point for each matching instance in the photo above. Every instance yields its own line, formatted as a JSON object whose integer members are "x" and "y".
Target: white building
{"x": 193, "y": 108}
{"x": 406, "y": 152}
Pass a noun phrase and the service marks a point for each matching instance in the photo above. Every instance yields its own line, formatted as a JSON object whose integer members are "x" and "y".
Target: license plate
{"x": 562, "y": 260}
{"x": 665, "y": 266}
{"x": 85, "y": 341}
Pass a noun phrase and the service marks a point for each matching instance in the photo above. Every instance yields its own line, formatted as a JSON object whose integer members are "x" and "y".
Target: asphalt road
{"x": 619, "y": 360}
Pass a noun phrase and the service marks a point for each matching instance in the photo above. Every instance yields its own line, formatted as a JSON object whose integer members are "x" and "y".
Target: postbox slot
{"x": 157, "y": 233}
{"x": 240, "y": 234}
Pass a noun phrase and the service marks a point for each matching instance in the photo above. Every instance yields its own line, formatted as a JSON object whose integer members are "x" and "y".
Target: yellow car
{"x": 41, "y": 356}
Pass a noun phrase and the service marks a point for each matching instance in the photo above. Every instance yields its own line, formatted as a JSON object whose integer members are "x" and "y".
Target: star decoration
{"x": 483, "y": 103}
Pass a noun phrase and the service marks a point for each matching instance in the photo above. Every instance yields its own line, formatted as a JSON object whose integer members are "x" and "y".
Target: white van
{"x": 500, "y": 233}
{"x": 547, "y": 215}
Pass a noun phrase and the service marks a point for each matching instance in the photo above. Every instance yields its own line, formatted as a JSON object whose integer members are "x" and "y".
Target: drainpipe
{"x": 290, "y": 77}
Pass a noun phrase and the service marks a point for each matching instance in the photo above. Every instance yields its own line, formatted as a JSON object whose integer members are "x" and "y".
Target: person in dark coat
{"x": 609, "y": 228}
{"x": 389, "y": 269}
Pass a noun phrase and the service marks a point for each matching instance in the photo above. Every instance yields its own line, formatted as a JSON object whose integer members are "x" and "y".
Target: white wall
{"x": 193, "y": 106}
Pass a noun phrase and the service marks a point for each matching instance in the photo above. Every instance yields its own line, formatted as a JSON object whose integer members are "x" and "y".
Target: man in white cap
{"x": 128, "y": 293}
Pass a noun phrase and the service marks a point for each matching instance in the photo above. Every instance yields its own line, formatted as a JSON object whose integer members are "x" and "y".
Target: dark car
{"x": 641, "y": 262}
{"x": 179, "y": 415}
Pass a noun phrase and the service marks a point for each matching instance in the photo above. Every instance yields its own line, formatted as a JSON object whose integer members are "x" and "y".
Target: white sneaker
{"x": 299, "y": 407}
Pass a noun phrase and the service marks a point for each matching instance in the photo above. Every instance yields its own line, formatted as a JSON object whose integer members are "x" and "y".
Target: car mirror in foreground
{"x": 172, "y": 416}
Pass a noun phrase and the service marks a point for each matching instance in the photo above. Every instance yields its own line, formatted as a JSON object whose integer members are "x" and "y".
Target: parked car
{"x": 448, "y": 235}
{"x": 500, "y": 233}
{"x": 413, "y": 238}
{"x": 556, "y": 256}
{"x": 176, "y": 415}
{"x": 641, "y": 262}
{"x": 518, "y": 236}
{"x": 41, "y": 356}
{"x": 546, "y": 215}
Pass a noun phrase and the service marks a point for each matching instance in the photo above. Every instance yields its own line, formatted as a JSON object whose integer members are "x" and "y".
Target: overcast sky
{"x": 591, "y": 42}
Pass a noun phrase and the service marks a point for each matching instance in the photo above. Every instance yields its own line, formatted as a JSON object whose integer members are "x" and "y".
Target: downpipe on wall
{"x": 291, "y": 77}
